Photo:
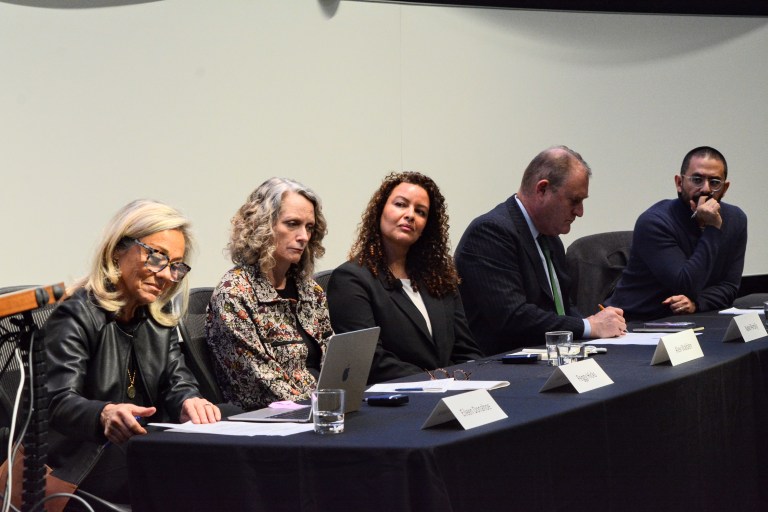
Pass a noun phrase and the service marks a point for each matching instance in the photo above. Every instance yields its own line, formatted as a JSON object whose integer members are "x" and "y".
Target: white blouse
{"x": 417, "y": 301}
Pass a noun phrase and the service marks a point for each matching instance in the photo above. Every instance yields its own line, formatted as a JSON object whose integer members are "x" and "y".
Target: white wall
{"x": 196, "y": 102}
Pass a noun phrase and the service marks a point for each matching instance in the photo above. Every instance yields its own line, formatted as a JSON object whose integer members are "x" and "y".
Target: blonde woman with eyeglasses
{"x": 114, "y": 361}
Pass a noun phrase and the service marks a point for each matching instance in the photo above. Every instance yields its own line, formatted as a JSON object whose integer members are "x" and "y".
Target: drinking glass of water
{"x": 328, "y": 410}
{"x": 552, "y": 340}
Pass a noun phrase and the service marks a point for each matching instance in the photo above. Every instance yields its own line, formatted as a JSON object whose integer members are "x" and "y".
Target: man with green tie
{"x": 512, "y": 262}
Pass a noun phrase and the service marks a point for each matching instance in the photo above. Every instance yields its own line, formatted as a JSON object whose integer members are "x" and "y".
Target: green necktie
{"x": 544, "y": 244}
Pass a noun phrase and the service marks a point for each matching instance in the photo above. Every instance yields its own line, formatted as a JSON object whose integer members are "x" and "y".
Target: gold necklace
{"x": 131, "y": 388}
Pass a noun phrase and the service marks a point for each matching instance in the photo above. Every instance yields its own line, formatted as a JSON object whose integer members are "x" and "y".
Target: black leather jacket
{"x": 88, "y": 357}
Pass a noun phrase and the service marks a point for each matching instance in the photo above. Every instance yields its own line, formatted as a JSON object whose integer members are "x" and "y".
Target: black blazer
{"x": 88, "y": 355}
{"x": 357, "y": 300}
{"x": 505, "y": 288}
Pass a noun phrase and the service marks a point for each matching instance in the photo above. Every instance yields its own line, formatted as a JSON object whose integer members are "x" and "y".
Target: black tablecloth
{"x": 689, "y": 437}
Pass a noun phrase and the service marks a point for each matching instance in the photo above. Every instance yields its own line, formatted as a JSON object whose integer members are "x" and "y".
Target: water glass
{"x": 328, "y": 410}
{"x": 569, "y": 352}
{"x": 552, "y": 340}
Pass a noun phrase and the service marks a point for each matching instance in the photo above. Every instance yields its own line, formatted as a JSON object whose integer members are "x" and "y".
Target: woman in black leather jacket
{"x": 114, "y": 361}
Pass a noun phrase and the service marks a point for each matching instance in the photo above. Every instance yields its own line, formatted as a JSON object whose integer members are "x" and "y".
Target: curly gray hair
{"x": 252, "y": 241}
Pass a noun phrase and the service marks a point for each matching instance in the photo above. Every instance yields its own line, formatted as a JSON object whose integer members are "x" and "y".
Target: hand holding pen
{"x": 707, "y": 211}
{"x": 608, "y": 322}
{"x": 121, "y": 421}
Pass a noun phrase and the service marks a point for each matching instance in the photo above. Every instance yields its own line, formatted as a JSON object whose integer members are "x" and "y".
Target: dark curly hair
{"x": 429, "y": 263}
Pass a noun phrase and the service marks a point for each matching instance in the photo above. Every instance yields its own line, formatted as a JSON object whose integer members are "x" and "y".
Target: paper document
{"x": 436, "y": 386}
{"x": 238, "y": 428}
{"x": 541, "y": 352}
{"x": 631, "y": 338}
{"x": 741, "y": 311}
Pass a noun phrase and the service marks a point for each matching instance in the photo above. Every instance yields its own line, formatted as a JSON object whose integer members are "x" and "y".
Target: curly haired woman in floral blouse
{"x": 268, "y": 324}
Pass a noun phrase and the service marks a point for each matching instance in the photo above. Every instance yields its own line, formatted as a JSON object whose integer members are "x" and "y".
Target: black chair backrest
{"x": 195, "y": 346}
{"x": 753, "y": 300}
{"x": 322, "y": 278}
{"x": 595, "y": 263}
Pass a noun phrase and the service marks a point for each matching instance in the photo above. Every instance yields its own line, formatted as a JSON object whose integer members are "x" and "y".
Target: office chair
{"x": 595, "y": 263}
{"x": 195, "y": 347}
{"x": 323, "y": 277}
{"x": 752, "y": 300}
{"x": 10, "y": 382}
{"x": 9, "y": 379}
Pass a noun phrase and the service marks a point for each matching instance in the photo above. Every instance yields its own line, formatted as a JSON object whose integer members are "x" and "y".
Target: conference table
{"x": 661, "y": 437}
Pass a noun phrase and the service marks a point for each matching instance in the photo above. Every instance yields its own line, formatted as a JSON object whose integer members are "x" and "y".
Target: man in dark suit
{"x": 512, "y": 262}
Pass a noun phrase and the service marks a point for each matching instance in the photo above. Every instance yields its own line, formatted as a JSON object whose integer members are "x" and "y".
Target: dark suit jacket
{"x": 357, "y": 300}
{"x": 504, "y": 286}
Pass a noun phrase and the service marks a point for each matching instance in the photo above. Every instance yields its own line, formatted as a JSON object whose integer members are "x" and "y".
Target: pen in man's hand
{"x": 602, "y": 308}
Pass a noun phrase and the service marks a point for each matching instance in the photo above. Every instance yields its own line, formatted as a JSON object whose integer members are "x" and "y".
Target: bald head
{"x": 554, "y": 187}
{"x": 553, "y": 164}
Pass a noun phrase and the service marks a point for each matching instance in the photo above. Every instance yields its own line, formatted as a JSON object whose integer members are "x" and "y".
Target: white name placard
{"x": 584, "y": 376}
{"x": 677, "y": 348}
{"x": 472, "y": 409}
{"x": 748, "y": 327}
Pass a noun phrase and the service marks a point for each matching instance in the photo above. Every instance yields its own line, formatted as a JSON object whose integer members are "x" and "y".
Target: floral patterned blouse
{"x": 258, "y": 351}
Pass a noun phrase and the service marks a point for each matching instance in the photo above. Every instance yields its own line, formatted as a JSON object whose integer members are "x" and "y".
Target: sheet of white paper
{"x": 238, "y": 428}
{"x": 630, "y": 338}
{"x": 737, "y": 311}
{"x": 436, "y": 386}
{"x": 466, "y": 385}
{"x": 425, "y": 386}
{"x": 541, "y": 352}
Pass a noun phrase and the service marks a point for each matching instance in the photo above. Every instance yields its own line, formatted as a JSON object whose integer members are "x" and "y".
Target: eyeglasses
{"x": 697, "y": 181}
{"x": 442, "y": 373}
{"x": 157, "y": 261}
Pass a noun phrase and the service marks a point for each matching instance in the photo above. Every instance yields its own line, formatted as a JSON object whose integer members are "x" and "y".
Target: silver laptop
{"x": 347, "y": 364}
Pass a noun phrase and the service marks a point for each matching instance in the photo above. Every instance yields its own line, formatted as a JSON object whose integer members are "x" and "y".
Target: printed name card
{"x": 585, "y": 375}
{"x": 472, "y": 409}
{"x": 749, "y": 327}
{"x": 677, "y": 348}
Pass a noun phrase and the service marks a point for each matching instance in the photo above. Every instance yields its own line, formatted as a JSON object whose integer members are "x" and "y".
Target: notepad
{"x": 436, "y": 386}
{"x": 667, "y": 327}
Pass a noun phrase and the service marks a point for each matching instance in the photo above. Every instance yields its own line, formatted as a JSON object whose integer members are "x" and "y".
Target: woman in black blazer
{"x": 401, "y": 277}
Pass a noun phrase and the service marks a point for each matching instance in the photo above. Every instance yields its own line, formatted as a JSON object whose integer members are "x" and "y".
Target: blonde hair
{"x": 137, "y": 219}
{"x": 252, "y": 241}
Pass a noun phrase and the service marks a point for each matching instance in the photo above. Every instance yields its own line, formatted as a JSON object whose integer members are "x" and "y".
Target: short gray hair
{"x": 553, "y": 164}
